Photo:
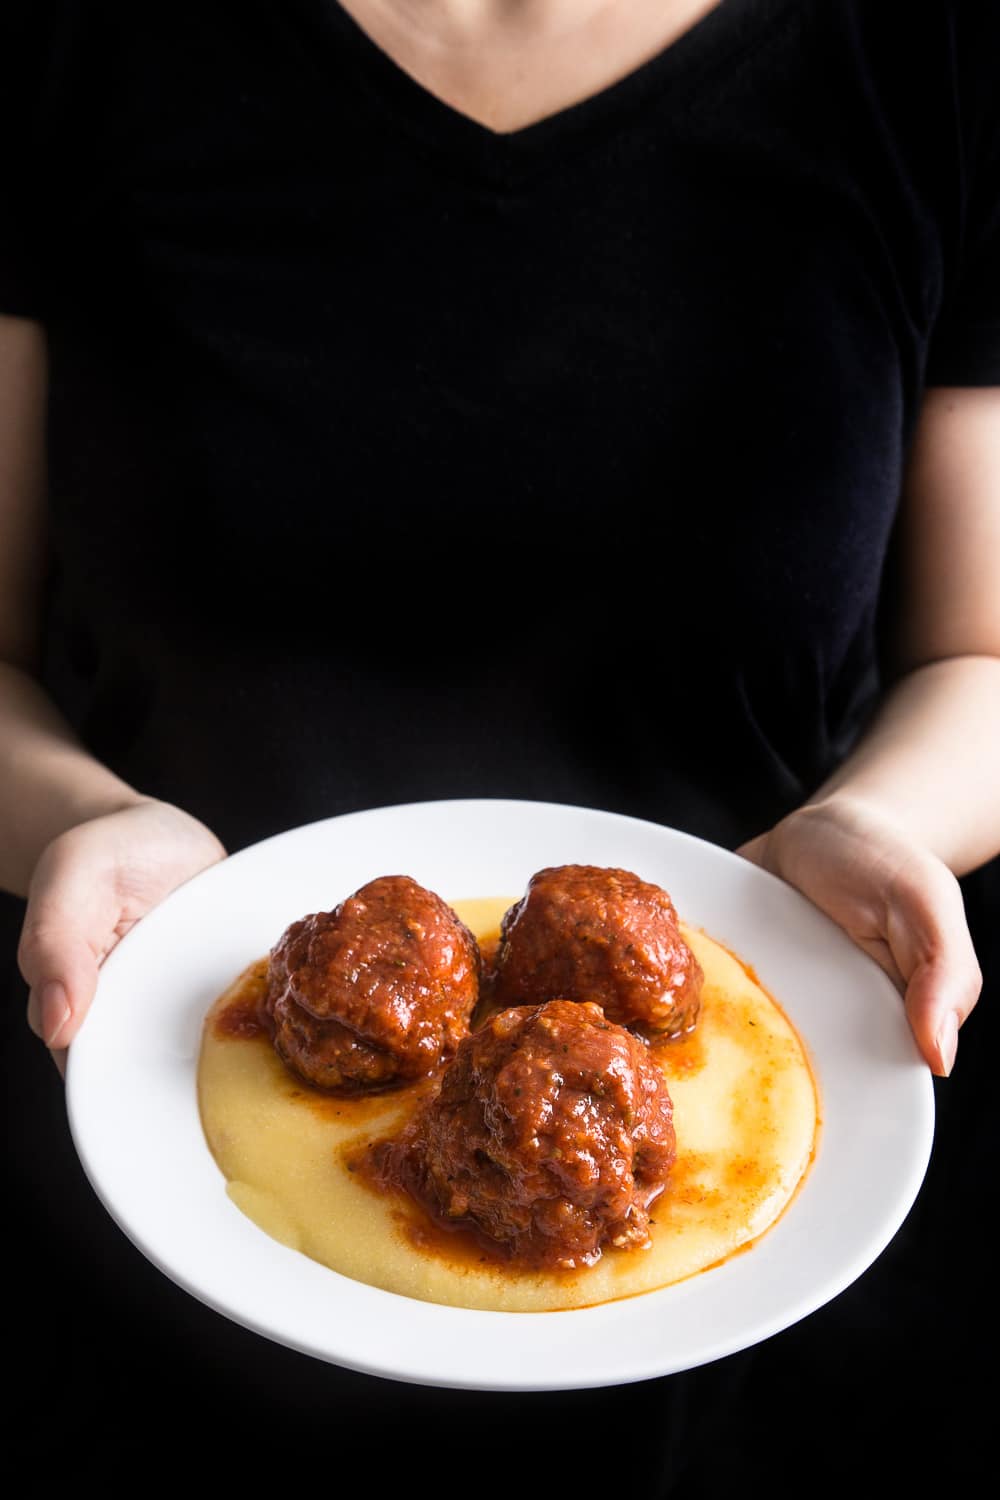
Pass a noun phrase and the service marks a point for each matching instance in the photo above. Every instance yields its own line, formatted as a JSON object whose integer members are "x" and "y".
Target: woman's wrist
{"x": 853, "y": 804}
{"x": 90, "y": 792}
{"x": 879, "y": 830}
{"x": 927, "y": 767}
{"x": 49, "y": 781}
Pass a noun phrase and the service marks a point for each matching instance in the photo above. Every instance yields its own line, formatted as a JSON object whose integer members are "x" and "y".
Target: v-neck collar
{"x": 716, "y": 39}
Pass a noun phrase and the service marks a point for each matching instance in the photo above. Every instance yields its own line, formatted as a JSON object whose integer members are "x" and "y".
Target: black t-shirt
{"x": 392, "y": 457}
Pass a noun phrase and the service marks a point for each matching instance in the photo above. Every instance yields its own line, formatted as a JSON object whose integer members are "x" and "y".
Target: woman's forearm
{"x": 48, "y": 781}
{"x": 930, "y": 760}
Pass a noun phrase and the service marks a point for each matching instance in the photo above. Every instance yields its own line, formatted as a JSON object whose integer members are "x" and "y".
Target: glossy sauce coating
{"x": 584, "y": 932}
{"x": 550, "y": 1136}
{"x": 377, "y": 992}
{"x": 744, "y": 1110}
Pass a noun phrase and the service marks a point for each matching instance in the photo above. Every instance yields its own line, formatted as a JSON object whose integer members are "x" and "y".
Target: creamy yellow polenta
{"x": 746, "y": 1113}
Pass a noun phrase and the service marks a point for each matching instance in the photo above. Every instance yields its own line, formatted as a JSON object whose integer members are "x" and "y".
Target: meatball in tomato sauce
{"x": 377, "y": 992}
{"x": 583, "y": 932}
{"x": 550, "y": 1136}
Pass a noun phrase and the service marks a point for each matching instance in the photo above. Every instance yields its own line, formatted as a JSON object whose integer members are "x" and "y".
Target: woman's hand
{"x": 897, "y": 900}
{"x": 90, "y": 885}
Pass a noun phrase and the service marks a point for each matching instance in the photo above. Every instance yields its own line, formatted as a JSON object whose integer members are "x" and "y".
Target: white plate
{"x": 133, "y": 1111}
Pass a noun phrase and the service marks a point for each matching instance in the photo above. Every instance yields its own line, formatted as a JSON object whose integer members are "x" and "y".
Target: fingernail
{"x": 55, "y": 1011}
{"x": 34, "y": 1013}
{"x": 947, "y": 1042}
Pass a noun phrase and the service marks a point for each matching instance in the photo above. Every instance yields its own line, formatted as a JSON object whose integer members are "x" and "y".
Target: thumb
{"x": 932, "y": 947}
{"x": 59, "y": 961}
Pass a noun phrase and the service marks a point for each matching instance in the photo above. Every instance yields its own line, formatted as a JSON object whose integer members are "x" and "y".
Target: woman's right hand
{"x": 89, "y": 887}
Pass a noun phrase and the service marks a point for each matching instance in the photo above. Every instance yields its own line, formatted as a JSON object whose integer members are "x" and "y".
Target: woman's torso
{"x": 395, "y": 457}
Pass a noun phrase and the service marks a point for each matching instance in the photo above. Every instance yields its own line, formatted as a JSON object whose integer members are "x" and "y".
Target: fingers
{"x": 930, "y": 941}
{"x": 91, "y": 885}
{"x": 68, "y": 927}
{"x": 939, "y": 999}
{"x": 896, "y": 900}
{"x": 60, "y": 968}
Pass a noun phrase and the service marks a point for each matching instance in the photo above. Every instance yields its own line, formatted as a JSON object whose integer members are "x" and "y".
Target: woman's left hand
{"x": 895, "y": 898}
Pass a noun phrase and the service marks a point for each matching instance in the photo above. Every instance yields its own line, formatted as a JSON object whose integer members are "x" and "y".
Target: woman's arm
{"x": 917, "y": 803}
{"x": 47, "y": 781}
{"x": 89, "y": 852}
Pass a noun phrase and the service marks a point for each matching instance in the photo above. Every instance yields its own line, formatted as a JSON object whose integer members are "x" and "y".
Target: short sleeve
{"x": 22, "y": 42}
{"x": 965, "y": 344}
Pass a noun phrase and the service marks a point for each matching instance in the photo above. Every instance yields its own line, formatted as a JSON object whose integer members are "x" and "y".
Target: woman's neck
{"x": 508, "y": 63}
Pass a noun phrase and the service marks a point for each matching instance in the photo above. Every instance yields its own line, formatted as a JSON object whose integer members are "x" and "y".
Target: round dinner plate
{"x": 133, "y": 1110}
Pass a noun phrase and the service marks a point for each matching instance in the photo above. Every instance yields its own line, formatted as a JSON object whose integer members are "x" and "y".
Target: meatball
{"x": 582, "y": 932}
{"x": 374, "y": 993}
{"x": 550, "y": 1135}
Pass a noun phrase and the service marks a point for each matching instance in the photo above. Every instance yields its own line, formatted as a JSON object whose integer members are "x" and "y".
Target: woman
{"x": 592, "y": 402}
